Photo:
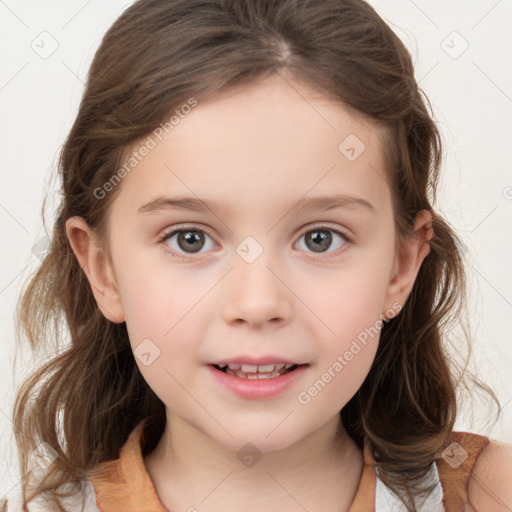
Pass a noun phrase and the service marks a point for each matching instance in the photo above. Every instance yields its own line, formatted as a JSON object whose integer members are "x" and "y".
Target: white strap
{"x": 386, "y": 501}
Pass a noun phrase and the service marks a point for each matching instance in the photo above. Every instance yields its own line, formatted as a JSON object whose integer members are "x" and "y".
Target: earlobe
{"x": 414, "y": 249}
{"x": 97, "y": 267}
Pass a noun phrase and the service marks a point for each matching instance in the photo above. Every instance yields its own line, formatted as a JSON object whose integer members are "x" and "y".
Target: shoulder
{"x": 489, "y": 485}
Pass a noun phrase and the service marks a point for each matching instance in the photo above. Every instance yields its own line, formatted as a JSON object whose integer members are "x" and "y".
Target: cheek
{"x": 155, "y": 297}
{"x": 351, "y": 304}
{"x": 338, "y": 381}
{"x": 344, "y": 358}
{"x": 350, "y": 347}
{"x": 352, "y": 298}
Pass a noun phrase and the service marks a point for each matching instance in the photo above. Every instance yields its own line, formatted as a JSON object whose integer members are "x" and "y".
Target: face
{"x": 285, "y": 253}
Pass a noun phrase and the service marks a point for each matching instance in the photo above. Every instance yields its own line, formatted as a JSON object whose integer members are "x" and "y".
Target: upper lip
{"x": 256, "y": 360}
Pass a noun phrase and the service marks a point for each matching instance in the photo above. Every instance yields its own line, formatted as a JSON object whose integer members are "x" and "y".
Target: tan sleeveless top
{"x": 128, "y": 487}
{"x": 125, "y": 485}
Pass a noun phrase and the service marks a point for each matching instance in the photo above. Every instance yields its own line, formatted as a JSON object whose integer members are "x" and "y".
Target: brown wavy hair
{"x": 89, "y": 395}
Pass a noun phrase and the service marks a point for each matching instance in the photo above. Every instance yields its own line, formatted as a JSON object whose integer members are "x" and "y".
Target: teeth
{"x": 247, "y": 371}
{"x": 249, "y": 368}
{"x": 266, "y": 368}
{"x": 252, "y": 368}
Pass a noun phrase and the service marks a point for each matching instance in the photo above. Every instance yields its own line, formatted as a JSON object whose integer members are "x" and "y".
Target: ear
{"x": 413, "y": 250}
{"x": 97, "y": 267}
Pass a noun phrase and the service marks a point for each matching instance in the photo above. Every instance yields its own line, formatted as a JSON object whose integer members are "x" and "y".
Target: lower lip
{"x": 258, "y": 388}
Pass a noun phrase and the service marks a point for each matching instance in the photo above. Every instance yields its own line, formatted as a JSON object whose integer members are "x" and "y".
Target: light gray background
{"x": 471, "y": 92}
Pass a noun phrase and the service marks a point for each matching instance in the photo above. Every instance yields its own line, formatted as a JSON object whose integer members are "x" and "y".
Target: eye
{"x": 321, "y": 238}
{"x": 189, "y": 240}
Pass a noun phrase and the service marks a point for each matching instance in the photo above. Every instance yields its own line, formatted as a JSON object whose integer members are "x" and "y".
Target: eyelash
{"x": 180, "y": 256}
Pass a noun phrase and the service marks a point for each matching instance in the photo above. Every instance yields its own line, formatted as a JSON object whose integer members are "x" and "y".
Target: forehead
{"x": 269, "y": 144}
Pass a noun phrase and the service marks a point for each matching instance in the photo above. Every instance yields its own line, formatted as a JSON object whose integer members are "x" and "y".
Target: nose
{"x": 256, "y": 294}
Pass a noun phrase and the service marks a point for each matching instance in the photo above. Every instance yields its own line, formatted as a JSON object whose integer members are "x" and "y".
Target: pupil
{"x": 322, "y": 240}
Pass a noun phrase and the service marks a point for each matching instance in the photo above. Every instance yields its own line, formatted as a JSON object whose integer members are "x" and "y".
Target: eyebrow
{"x": 305, "y": 204}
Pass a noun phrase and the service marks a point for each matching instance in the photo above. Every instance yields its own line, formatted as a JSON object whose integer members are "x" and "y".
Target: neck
{"x": 320, "y": 472}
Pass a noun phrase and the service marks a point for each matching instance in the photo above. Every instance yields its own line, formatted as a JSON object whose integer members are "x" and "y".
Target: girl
{"x": 294, "y": 359}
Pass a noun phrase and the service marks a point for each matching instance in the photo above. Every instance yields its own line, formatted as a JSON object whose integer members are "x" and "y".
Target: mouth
{"x": 250, "y": 371}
